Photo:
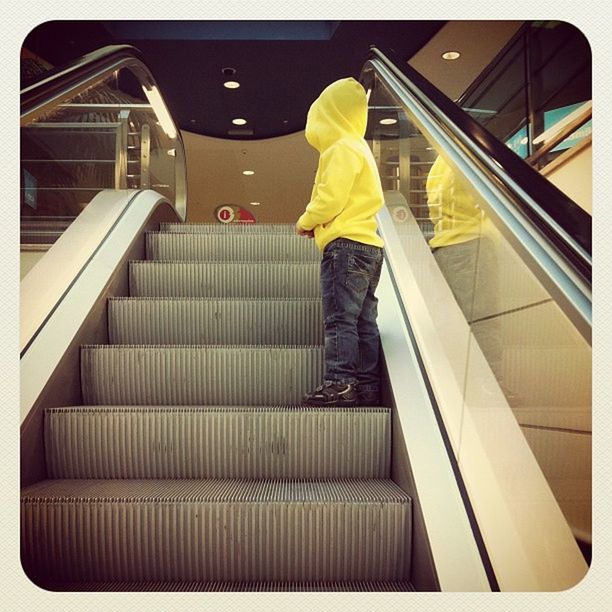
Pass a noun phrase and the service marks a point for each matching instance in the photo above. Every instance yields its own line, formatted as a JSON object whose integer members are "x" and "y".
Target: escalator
{"x": 178, "y": 458}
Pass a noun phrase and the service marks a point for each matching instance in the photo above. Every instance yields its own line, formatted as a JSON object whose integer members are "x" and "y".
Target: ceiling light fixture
{"x": 388, "y": 121}
{"x": 451, "y": 55}
{"x": 231, "y": 84}
{"x": 160, "y": 109}
{"x": 248, "y": 172}
{"x": 239, "y": 121}
{"x": 255, "y": 203}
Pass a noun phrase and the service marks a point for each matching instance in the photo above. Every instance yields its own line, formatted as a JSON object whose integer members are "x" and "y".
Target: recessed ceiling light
{"x": 388, "y": 121}
{"x": 451, "y": 55}
{"x": 255, "y": 203}
{"x": 239, "y": 121}
{"x": 248, "y": 172}
{"x": 231, "y": 84}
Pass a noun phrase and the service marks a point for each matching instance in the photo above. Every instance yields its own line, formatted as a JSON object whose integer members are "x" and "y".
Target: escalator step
{"x": 233, "y": 587}
{"x": 217, "y": 442}
{"x": 215, "y": 530}
{"x": 168, "y": 246}
{"x": 215, "y": 321}
{"x": 229, "y": 228}
{"x": 249, "y": 280}
{"x": 199, "y": 375}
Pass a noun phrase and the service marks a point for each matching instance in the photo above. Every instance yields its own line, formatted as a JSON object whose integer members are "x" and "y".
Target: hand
{"x": 300, "y": 231}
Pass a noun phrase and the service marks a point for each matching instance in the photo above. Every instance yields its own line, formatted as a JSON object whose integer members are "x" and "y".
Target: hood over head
{"x": 340, "y": 111}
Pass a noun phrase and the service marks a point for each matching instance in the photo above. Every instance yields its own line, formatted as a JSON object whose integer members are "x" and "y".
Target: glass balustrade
{"x": 508, "y": 346}
{"x": 113, "y": 133}
{"x": 528, "y": 93}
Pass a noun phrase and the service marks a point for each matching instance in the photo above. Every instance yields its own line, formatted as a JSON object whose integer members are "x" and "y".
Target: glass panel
{"x": 499, "y": 102}
{"x": 108, "y": 137}
{"x": 540, "y": 78}
{"x": 506, "y": 341}
{"x": 560, "y": 61}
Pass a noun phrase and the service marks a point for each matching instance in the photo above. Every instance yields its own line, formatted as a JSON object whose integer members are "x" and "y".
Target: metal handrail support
{"x": 121, "y": 143}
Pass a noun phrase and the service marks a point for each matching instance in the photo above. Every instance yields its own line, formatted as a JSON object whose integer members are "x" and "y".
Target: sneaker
{"x": 331, "y": 393}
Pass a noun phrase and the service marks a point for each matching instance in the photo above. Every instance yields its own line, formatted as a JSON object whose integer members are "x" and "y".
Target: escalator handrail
{"x": 563, "y": 222}
{"x": 60, "y": 81}
{"x": 64, "y": 82}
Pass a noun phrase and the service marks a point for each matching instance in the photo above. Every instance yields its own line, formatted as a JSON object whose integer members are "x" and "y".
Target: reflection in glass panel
{"x": 539, "y": 362}
{"x": 108, "y": 137}
{"x": 539, "y": 78}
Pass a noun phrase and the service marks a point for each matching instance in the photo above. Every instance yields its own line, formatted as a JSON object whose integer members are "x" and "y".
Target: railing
{"x": 97, "y": 124}
{"x": 533, "y": 84}
{"x": 556, "y": 136}
{"x": 493, "y": 265}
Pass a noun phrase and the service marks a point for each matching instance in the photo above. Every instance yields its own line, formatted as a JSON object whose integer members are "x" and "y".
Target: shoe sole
{"x": 334, "y": 404}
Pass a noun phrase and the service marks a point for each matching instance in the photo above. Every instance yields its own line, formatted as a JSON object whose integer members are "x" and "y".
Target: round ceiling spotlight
{"x": 248, "y": 172}
{"x": 388, "y": 121}
{"x": 239, "y": 121}
{"x": 228, "y": 71}
{"x": 451, "y": 55}
{"x": 255, "y": 203}
{"x": 231, "y": 84}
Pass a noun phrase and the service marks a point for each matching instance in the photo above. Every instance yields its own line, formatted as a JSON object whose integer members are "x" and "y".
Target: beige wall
{"x": 478, "y": 41}
{"x": 284, "y": 174}
{"x": 27, "y": 260}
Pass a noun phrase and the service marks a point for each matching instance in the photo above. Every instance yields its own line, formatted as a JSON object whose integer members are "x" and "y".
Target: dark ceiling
{"x": 281, "y": 66}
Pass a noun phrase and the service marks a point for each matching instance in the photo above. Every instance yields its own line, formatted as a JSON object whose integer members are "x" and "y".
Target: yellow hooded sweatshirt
{"x": 347, "y": 191}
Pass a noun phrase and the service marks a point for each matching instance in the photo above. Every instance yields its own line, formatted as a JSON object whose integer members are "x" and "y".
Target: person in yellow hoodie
{"x": 341, "y": 217}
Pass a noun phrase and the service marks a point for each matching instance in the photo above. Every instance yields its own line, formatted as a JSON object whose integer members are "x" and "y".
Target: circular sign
{"x": 399, "y": 214}
{"x": 225, "y": 214}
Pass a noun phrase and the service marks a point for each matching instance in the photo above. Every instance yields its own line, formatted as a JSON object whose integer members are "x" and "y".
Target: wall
{"x": 478, "y": 41}
{"x": 284, "y": 174}
{"x": 27, "y": 260}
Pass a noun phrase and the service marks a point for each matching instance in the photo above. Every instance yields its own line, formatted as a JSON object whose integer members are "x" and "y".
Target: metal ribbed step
{"x": 199, "y": 375}
{"x": 215, "y": 530}
{"x": 215, "y": 321}
{"x": 169, "y": 246}
{"x": 226, "y": 280}
{"x": 233, "y": 587}
{"x": 217, "y": 442}
{"x": 230, "y": 228}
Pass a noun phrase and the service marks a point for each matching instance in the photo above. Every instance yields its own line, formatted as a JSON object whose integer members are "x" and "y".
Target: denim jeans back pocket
{"x": 360, "y": 268}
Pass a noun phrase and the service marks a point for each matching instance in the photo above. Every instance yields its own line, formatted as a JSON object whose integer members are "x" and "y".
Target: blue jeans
{"x": 349, "y": 275}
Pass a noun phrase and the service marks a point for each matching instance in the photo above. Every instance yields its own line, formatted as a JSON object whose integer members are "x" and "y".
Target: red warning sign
{"x": 230, "y": 213}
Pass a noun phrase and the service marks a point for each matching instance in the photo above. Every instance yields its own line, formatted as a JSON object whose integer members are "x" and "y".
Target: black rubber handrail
{"x": 575, "y": 221}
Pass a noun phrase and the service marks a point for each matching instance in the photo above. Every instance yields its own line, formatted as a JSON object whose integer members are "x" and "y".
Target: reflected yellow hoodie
{"x": 452, "y": 208}
{"x": 347, "y": 191}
